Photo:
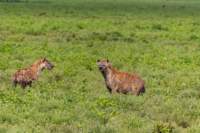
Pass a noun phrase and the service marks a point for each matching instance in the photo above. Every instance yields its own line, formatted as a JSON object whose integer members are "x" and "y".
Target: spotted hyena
{"x": 26, "y": 76}
{"x": 120, "y": 82}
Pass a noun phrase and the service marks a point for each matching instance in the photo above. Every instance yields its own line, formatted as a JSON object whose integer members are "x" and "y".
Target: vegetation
{"x": 159, "y": 39}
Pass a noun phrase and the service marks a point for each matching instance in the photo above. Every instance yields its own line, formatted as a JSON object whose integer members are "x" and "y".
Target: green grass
{"x": 159, "y": 39}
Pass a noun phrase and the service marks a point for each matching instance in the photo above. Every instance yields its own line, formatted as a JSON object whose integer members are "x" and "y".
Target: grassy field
{"x": 159, "y": 39}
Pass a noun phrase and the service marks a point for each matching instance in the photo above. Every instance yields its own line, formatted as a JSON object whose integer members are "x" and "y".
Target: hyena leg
{"x": 142, "y": 90}
{"x": 134, "y": 91}
{"x": 137, "y": 93}
{"x": 109, "y": 89}
{"x": 114, "y": 91}
{"x": 30, "y": 84}
{"x": 23, "y": 85}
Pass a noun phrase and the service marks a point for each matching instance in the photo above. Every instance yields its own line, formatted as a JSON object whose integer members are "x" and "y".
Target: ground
{"x": 158, "y": 39}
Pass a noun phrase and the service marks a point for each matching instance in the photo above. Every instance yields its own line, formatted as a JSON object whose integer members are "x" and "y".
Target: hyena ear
{"x": 98, "y": 60}
{"x": 44, "y": 59}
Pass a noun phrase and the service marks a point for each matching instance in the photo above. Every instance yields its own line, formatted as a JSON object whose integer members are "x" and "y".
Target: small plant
{"x": 159, "y": 27}
{"x": 194, "y": 37}
{"x": 163, "y": 128}
{"x": 104, "y": 109}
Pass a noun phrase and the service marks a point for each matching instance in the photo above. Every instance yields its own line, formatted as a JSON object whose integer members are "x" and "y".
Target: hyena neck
{"x": 108, "y": 72}
{"x": 37, "y": 69}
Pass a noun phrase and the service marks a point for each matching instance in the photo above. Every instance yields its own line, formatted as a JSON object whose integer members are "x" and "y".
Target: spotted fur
{"x": 120, "y": 82}
{"x": 25, "y": 77}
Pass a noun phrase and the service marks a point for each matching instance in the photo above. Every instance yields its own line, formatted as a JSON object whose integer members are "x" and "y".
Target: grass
{"x": 159, "y": 39}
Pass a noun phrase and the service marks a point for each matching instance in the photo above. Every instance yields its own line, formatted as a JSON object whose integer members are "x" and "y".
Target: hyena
{"x": 120, "y": 82}
{"x": 26, "y": 76}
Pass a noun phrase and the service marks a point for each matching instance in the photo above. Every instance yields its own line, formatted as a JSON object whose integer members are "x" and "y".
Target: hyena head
{"x": 46, "y": 64}
{"x": 103, "y": 64}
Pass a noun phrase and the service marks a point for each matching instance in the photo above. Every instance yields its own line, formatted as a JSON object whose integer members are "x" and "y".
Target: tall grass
{"x": 157, "y": 39}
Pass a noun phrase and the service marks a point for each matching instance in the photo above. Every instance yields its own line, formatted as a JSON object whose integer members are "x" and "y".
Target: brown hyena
{"x": 120, "y": 82}
{"x": 26, "y": 76}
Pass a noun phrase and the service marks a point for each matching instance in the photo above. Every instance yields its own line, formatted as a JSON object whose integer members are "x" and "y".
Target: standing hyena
{"x": 26, "y": 76}
{"x": 121, "y": 82}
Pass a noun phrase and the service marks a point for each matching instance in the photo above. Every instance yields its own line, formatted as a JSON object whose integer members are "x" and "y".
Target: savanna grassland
{"x": 159, "y": 39}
